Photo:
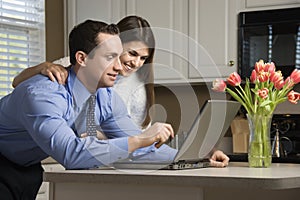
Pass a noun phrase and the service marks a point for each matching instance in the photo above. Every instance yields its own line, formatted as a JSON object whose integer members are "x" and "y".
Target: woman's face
{"x": 133, "y": 57}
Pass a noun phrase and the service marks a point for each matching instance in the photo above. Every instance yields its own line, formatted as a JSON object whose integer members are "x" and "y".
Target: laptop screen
{"x": 208, "y": 128}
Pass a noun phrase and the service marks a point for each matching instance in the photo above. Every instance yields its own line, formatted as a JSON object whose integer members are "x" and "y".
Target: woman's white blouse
{"x": 131, "y": 89}
{"x": 133, "y": 92}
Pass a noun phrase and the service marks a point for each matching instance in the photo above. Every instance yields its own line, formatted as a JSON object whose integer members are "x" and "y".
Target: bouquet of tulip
{"x": 268, "y": 90}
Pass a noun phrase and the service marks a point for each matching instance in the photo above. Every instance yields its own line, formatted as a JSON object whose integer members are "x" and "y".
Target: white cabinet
{"x": 168, "y": 20}
{"x": 78, "y": 11}
{"x": 196, "y": 40}
{"x": 213, "y": 25}
{"x": 181, "y": 29}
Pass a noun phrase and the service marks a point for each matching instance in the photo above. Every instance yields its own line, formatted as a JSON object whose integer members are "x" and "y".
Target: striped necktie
{"x": 90, "y": 118}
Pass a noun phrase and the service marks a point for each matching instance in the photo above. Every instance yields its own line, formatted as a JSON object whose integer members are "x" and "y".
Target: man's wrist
{"x": 133, "y": 143}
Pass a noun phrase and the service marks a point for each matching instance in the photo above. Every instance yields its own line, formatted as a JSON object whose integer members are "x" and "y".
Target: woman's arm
{"x": 55, "y": 72}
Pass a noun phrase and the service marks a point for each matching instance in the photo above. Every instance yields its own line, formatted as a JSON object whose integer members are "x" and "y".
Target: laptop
{"x": 207, "y": 130}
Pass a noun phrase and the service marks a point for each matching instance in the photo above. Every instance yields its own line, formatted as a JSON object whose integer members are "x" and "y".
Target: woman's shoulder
{"x": 65, "y": 61}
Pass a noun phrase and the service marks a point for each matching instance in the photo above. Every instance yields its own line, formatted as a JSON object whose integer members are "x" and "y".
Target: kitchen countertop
{"x": 243, "y": 157}
{"x": 236, "y": 175}
{"x": 49, "y": 160}
{"x": 235, "y": 182}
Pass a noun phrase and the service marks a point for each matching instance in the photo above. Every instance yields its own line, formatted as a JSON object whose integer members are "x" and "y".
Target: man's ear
{"x": 80, "y": 58}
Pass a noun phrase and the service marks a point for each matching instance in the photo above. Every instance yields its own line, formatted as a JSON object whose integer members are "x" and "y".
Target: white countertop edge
{"x": 237, "y": 175}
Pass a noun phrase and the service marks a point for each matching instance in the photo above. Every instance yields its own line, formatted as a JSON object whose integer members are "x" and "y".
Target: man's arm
{"x": 117, "y": 123}
{"x": 46, "y": 115}
{"x": 159, "y": 133}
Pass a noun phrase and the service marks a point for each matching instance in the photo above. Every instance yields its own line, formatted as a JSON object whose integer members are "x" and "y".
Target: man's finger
{"x": 158, "y": 141}
{"x": 83, "y": 135}
{"x": 214, "y": 163}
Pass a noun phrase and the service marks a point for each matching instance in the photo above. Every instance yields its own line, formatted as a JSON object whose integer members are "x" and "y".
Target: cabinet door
{"x": 213, "y": 25}
{"x": 109, "y": 11}
{"x": 168, "y": 20}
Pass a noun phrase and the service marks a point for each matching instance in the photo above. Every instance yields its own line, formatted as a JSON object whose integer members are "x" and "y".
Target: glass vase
{"x": 259, "y": 152}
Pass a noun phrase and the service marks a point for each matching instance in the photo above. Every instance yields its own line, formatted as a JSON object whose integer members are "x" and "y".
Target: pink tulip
{"x": 295, "y": 76}
{"x": 270, "y": 67}
{"x": 234, "y": 79}
{"x": 279, "y": 84}
{"x": 219, "y": 85}
{"x": 259, "y": 66}
{"x": 253, "y": 76}
{"x": 293, "y": 97}
{"x": 277, "y": 79}
{"x": 263, "y": 77}
{"x": 276, "y": 76}
{"x": 289, "y": 82}
{"x": 263, "y": 93}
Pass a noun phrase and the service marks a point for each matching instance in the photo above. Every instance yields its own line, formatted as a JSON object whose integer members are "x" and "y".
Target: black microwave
{"x": 271, "y": 35}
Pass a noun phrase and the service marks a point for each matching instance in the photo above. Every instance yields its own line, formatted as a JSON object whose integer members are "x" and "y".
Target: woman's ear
{"x": 80, "y": 58}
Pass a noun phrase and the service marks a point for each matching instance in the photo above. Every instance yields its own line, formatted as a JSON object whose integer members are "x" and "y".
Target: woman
{"x": 136, "y": 89}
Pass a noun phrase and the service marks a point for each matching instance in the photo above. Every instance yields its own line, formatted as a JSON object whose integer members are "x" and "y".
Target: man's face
{"x": 104, "y": 66}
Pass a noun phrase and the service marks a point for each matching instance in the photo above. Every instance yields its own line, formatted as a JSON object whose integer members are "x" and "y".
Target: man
{"x": 41, "y": 118}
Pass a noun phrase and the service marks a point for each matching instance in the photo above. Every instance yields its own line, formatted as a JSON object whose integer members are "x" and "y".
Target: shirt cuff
{"x": 144, "y": 150}
{"x": 120, "y": 148}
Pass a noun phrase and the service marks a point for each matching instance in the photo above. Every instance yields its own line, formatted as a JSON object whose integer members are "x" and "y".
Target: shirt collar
{"x": 77, "y": 89}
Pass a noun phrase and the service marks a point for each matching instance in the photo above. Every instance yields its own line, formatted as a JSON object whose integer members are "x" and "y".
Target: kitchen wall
{"x": 54, "y": 29}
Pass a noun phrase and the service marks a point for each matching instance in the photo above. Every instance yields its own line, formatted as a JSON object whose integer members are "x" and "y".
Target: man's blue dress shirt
{"x": 40, "y": 118}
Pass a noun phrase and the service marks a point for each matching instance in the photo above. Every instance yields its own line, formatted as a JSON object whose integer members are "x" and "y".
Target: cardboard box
{"x": 240, "y": 135}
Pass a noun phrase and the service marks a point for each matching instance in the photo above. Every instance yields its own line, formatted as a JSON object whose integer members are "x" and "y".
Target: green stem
{"x": 259, "y": 154}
